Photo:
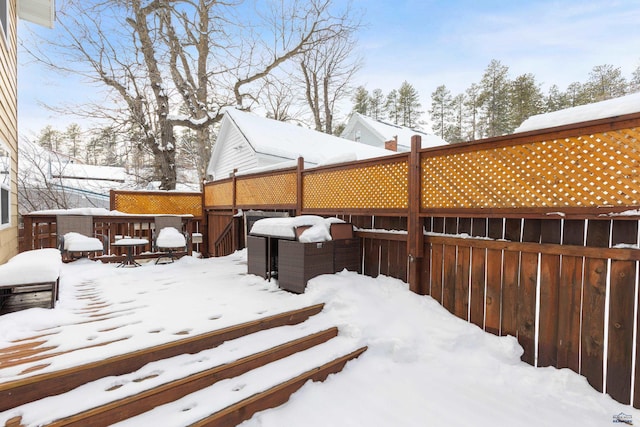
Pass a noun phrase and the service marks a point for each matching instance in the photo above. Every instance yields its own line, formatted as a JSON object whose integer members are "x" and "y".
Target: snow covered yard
{"x": 423, "y": 366}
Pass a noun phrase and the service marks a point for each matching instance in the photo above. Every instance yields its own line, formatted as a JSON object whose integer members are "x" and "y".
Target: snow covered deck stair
{"x": 130, "y": 386}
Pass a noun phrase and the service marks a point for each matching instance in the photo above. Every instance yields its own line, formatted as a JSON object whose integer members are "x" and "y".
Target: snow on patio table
{"x": 423, "y": 367}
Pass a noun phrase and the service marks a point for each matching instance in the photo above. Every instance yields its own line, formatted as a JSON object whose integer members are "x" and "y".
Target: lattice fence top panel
{"x": 589, "y": 170}
{"x": 380, "y": 186}
{"x": 278, "y": 189}
{"x": 218, "y": 194}
{"x": 158, "y": 203}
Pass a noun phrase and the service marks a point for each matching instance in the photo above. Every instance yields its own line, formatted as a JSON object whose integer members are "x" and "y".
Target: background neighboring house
{"x": 250, "y": 142}
{"x": 49, "y": 180}
{"x": 40, "y": 12}
{"x": 381, "y": 134}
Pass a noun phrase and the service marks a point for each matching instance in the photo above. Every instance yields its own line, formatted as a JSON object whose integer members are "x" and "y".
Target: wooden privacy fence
{"x": 522, "y": 235}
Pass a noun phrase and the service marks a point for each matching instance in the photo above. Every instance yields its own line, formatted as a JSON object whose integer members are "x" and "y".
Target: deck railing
{"x": 40, "y": 231}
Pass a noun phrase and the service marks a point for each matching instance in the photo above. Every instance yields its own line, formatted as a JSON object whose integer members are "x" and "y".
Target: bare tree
{"x": 159, "y": 57}
{"x": 327, "y": 71}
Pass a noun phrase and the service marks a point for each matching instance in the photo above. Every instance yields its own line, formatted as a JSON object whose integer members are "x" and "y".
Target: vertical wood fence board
{"x": 371, "y": 257}
{"x": 569, "y": 299}
{"x": 449, "y": 267}
{"x": 437, "y": 255}
{"x": 462, "y": 282}
{"x": 449, "y": 278}
{"x": 595, "y": 282}
{"x": 549, "y": 288}
{"x": 621, "y": 321}
{"x": 478, "y": 265}
{"x": 463, "y": 271}
{"x": 384, "y": 258}
{"x": 493, "y": 296}
{"x": 510, "y": 279}
{"x": 425, "y": 270}
{"x": 527, "y": 293}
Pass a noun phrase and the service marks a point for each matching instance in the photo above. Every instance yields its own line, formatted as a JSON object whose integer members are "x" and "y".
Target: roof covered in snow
{"x": 283, "y": 142}
{"x": 388, "y": 131}
{"x": 598, "y": 110}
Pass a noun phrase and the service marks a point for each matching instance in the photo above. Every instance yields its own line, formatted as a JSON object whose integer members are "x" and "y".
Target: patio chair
{"x": 75, "y": 236}
{"x": 168, "y": 237}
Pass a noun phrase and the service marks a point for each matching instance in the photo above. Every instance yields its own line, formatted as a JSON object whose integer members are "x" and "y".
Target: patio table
{"x": 130, "y": 244}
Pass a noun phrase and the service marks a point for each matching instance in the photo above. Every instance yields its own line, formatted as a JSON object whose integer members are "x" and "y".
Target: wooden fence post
{"x": 234, "y": 232}
{"x": 299, "y": 183}
{"x": 415, "y": 240}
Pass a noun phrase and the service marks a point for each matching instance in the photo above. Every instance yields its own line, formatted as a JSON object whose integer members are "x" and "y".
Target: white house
{"x": 377, "y": 133}
{"x": 47, "y": 180}
{"x": 247, "y": 141}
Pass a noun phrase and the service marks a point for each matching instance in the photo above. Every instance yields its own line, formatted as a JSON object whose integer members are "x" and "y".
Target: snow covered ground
{"x": 423, "y": 366}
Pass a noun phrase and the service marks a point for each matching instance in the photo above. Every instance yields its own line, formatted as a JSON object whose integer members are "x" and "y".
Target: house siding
{"x": 231, "y": 157}
{"x": 9, "y": 128}
{"x": 366, "y": 136}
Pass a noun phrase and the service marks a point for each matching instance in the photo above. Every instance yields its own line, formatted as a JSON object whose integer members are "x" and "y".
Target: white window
{"x": 5, "y": 185}
{"x": 4, "y": 18}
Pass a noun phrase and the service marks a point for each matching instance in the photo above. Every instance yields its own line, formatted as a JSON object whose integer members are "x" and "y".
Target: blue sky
{"x": 440, "y": 42}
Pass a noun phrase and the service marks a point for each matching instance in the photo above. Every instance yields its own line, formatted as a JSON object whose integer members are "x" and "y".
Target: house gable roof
{"x": 288, "y": 142}
{"x": 388, "y": 131}
{"x": 41, "y": 12}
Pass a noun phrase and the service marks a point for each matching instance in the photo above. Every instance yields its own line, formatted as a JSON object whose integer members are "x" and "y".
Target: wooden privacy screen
{"x": 548, "y": 282}
{"x": 219, "y": 194}
{"x": 593, "y": 169}
{"x": 271, "y": 189}
{"x": 155, "y": 202}
{"x": 379, "y": 185}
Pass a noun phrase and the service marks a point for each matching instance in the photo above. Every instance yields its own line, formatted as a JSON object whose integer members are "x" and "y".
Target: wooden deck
{"x": 37, "y": 352}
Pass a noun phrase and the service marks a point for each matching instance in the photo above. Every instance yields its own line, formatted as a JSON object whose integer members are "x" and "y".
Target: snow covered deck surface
{"x": 423, "y": 367}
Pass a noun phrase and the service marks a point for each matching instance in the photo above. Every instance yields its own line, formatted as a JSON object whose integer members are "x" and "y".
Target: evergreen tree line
{"x": 498, "y": 104}
{"x": 400, "y": 107}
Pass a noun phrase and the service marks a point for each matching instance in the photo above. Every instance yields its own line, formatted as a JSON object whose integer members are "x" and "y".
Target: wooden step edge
{"x": 275, "y": 396}
{"x": 135, "y": 405}
{"x": 19, "y": 392}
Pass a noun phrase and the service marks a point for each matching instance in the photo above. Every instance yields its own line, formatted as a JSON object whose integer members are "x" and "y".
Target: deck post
{"x": 299, "y": 184}
{"x": 234, "y": 232}
{"x": 415, "y": 240}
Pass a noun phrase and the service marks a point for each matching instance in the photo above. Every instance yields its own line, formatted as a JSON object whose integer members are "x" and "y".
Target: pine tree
{"x": 472, "y": 105}
{"x": 392, "y": 107}
{"x": 606, "y": 82}
{"x": 555, "y": 99}
{"x": 72, "y": 136}
{"x": 577, "y": 94}
{"x": 495, "y": 94}
{"x": 634, "y": 84}
{"x": 455, "y": 130}
{"x": 50, "y": 138}
{"x": 409, "y": 103}
{"x": 526, "y": 99}
{"x": 376, "y": 104}
{"x": 361, "y": 101}
{"x": 441, "y": 110}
